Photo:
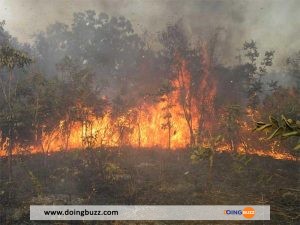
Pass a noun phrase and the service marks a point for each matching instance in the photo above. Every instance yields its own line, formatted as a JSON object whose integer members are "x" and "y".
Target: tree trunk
{"x": 169, "y": 137}
{"x": 10, "y": 135}
{"x": 139, "y": 129}
{"x": 186, "y": 106}
{"x": 10, "y": 156}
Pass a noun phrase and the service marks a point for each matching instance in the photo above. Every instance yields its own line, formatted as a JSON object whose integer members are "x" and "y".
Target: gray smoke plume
{"x": 272, "y": 23}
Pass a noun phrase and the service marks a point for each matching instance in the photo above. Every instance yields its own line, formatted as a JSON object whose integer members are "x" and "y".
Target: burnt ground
{"x": 143, "y": 176}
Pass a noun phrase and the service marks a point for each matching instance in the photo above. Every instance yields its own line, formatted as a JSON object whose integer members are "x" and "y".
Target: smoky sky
{"x": 274, "y": 24}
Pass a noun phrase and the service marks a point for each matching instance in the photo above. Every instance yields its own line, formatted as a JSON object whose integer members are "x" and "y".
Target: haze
{"x": 241, "y": 20}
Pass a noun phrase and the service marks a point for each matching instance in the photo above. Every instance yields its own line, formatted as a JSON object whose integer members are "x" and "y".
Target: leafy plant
{"x": 201, "y": 153}
{"x": 283, "y": 128}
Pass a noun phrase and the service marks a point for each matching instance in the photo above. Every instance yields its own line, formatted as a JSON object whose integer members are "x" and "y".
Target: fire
{"x": 164, "y": 124}
{"x": 206, "y": 101}
{"x": 260, "y": 152}
{"x": 181, "y": 114}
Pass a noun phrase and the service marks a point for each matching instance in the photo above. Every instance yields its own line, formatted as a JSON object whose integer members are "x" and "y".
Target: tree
{"x": 255, "y": 72}
{"x": 123, "y": 119}
{"x": 107, "y": 45}
{"x": 165, "y": 93}
{"x": 293, "y": 63}
{"x": 81, "y": 98}
{"x": 51, "y": 47}
{"x": 232, "y": 126}
{"x": 10, "y": 59}
{"x": 41, "y": 110}
{"x": 4, "y": 35}
{"x": 176, "y": 52}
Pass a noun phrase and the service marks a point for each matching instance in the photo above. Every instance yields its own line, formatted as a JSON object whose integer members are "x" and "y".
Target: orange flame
{"x": 184, "y": 113}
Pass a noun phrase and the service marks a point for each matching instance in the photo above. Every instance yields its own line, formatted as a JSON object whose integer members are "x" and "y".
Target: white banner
{"x": 149, "y": 212}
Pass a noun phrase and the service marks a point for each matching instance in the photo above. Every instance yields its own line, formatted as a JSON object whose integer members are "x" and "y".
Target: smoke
{"x": 272, "y": 23}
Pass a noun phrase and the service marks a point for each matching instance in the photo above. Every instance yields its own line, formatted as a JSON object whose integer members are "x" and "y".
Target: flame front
{"x": 183, "y": 116}
{"x": 142, "y": 126}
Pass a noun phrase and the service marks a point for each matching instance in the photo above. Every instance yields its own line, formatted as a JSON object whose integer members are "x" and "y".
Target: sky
{"x": 274, "y": 24}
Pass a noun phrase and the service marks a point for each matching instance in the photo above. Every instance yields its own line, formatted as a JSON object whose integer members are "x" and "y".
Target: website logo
{"x": 247, "y": 212}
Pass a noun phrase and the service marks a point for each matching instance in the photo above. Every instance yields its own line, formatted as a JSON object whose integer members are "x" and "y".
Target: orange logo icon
{"x": 248, "y": 212}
